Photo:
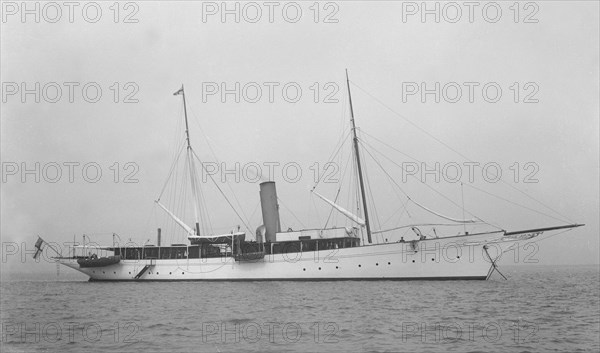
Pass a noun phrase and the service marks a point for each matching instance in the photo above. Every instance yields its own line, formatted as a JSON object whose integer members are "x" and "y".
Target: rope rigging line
{"x": 290, "y": 211}
{"x": 406, "y": 194}
{"x": 337, "y": 194}
{"x": 355, "y": 197}
{"x": 254, "y": 212}
{"x": 390, "y": 146}
{"x": 397, "y": 185}
{"x": 555, "y": 234}
{"x": 205, "y": 214}
{"x": 177, "y": 198}
{"x": 170, "y": 191}
{"x": 413, "y": 201}
{"x": 389, "y": 177}
{"x": 403, "y": 208}
{"x": 338, "y": 191}
{"x": 173, "y": 175}
{"x": 223, "y": 194}
{"x": 514, "y": 203}
{"x": 195, "y": 189}
{"x": 214, "y": 155}
{"x": 442, "y": 216}
{"x": 314, "y": 208}
{"x": 371, "y": 199}
{"x": 171, "y": 169}
{"x": 565, "y": 219}
{"x": 344, "y": 137}
{"x": 181, "y": 201}
{"x": 332, "y": 156}
{"x": 422, "y": 225}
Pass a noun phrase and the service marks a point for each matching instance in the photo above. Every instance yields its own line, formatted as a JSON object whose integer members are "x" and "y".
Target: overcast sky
{"x": 549, "y": 118}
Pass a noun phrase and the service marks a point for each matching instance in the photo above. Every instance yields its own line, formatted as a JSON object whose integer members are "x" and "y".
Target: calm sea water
{"x": 539, "y": 309}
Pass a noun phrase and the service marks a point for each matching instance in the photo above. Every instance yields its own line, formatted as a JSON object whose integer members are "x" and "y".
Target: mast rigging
{"x": 190, "y": 162}
{"x": 356, "y": 152}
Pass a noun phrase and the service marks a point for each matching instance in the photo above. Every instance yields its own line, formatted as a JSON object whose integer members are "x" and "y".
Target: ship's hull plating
{"x": 454, "y": 258}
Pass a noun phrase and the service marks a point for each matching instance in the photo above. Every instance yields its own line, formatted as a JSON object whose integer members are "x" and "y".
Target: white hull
{"x": 461, "y": 257}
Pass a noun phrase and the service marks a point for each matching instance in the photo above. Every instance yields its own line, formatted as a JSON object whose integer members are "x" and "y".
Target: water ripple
{"x": 549, "y": 309}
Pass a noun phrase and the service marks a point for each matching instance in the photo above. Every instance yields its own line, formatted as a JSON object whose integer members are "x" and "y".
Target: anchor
{"x": 494, "y": 266}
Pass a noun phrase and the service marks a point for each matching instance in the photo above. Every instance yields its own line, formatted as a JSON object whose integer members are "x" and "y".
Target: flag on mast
{"x": 178, "y": 92}
{"x": 39, "y": 244}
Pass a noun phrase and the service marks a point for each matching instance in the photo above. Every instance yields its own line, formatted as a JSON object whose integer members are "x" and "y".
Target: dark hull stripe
{"x": 459, "y": 278}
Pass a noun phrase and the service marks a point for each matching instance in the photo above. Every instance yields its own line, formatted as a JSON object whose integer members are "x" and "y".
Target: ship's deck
{"x": 207, "y": 250}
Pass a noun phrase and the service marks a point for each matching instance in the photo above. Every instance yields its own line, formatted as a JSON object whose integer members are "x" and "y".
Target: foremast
{"x": 192, "y": 168}
{"x": 358, "y": 165}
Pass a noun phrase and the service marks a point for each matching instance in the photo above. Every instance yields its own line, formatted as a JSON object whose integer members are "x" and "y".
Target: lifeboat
{"x": 252, "y": 256}
{"x": 94, "y": 261}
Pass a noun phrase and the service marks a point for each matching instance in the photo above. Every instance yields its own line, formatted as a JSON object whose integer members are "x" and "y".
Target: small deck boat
{"x": 94, "y": 261}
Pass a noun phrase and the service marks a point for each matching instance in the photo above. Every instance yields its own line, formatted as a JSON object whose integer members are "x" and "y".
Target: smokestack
{"x": 158, "y": 238}
{"x": 270, "y": 210}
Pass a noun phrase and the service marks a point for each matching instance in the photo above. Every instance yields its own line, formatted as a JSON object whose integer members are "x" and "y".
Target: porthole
{"x": 156, "y": 272}
{"x": 115, "y": 273}
{"x": 359, "y": 265}
{"x": 377, "y": 264}
{"x": 129, "y": 272}
{"x": 458, "y": 256}
{"x": 103, "y": 272}
{"x": 336, "y": 267}
{"x": 181, "y": 272}
{"x": 389, "y": 263}
{"x": 303, "y": 269}
{"x": 413, "y": 261}
{"x": 95, "y": 272}
{"x": 432, "y": 259}
{"x": 319, "y": 269}
{"x": 170, "y": 273}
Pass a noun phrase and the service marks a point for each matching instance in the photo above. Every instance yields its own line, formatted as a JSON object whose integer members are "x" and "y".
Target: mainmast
{"x": 356, "y": 152}
{"x": 190, "y": 156}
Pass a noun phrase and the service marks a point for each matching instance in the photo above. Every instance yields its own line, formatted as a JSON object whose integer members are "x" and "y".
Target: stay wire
{"x": 457, "y": 152}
